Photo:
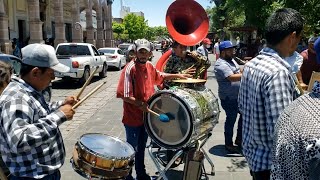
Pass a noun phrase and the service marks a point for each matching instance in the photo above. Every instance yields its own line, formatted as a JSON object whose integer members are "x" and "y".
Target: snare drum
{"x": 102, "y": 156}
{"x": 194, "y": 113}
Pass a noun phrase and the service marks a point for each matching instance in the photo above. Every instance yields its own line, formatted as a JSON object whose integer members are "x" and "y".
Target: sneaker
{"x": 232, "y": 149}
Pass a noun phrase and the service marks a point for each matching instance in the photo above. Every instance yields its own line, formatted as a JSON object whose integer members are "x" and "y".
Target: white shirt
{"x": 216, "y": 48}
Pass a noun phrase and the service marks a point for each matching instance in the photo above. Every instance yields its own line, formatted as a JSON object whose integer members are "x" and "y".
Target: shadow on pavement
{"x": 219, "y": 150}
{"x": 237, "y": 164}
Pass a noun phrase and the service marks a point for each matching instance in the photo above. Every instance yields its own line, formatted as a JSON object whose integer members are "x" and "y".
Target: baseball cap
{"x": 143, "y": 44}
{"x": 42, "y": 55}
{"x": 207, "y": 41}
{"x": 317, "y": 49}
{"x": 225, "y": 45}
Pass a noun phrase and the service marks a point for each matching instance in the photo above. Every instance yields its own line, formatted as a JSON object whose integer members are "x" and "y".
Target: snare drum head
{"x": 177, "y": 131}
{"x": 106, "y": 146}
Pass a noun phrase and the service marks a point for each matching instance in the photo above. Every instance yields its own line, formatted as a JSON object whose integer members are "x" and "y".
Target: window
{"x": 69, "y": 50}
{"x": 95, "y": 51}
{"x": 16, "y": 64}
{"x": 107, "y": 51}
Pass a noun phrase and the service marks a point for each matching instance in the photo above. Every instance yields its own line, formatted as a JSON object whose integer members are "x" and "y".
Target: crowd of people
{"x": 278, "y": 124}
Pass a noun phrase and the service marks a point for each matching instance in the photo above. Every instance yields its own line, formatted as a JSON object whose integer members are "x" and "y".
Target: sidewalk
{"x": 102, "y": 113}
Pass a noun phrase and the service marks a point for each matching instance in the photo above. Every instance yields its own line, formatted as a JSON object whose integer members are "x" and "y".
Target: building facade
{"x": 35, "y": 21}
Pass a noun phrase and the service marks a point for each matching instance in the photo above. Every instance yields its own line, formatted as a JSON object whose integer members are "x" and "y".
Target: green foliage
{"x": 135, "y": 25}
{"x": 118, "y": 29}
{"x": 232, "y": 13}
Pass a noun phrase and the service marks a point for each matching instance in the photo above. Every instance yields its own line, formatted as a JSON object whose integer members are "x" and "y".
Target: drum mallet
{"x": 87, "y": 96}
{"x": 162, "y": 117}
{"x": 171, "y": 116}
{"x": 86, "y": 83}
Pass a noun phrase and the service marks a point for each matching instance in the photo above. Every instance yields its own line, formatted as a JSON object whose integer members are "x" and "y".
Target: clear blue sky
{"x": 154, "y": 10}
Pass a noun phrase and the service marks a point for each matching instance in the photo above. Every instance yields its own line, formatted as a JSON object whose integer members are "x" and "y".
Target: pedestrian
{"x": 216, "y": 50}
{"x": 16, "y": 50}
{"x": 203, "y": 50}
{"x": 266, "y": 88}
{"x": 309, "y": 63}
{"x": 130, "y": 55}
{"x": 5, "y": 75}
{"x": 228, "y": 75}
{"x": 31, "y": 142}
{"x": 136, "y": 86}
{"x": 295, "y": 151}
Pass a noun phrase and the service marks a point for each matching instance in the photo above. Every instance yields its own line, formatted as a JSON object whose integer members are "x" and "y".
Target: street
{"x": 102, "y": 113}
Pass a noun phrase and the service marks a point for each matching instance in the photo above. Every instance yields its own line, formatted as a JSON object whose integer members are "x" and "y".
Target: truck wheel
{"x": 86, "y": 75}
{"x": 103, "y": 73}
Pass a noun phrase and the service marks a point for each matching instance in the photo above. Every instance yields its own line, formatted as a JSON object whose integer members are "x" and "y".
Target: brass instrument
{"x": 201, "y": 65}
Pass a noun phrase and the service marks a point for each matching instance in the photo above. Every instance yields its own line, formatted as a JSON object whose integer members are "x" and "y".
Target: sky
{"x": 154, "y": 10}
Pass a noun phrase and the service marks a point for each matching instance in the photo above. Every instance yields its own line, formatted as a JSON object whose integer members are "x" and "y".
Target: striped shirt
{"x": 31, "y": 144}
{"x": 137, "y": 80}
{"x": 266, "y": 88}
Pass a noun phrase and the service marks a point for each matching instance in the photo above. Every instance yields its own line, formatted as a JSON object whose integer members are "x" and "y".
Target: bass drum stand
{"x": 193, "y": 156}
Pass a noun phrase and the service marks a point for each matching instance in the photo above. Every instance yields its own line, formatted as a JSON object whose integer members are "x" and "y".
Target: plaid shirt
{"x": 31, "y": 144}
{"x": 266, "y": 88}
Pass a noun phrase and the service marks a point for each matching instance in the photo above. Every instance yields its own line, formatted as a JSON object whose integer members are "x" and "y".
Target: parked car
{"x": 16, "y": 64}
{"x": 13, "y": 60}
{"x": 115, "y": 57}
{"x": 124, "y": 47}
{"x": 82, "y": 59}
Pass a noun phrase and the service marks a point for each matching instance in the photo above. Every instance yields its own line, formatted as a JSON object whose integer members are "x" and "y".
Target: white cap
{"x": 42, "y": 55}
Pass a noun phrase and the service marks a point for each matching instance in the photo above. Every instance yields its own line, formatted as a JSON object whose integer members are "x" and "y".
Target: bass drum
{"x": 193, "y": 113}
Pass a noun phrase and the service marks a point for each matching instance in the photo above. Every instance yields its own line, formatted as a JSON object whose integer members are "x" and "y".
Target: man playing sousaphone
{"x": 184, "y": 62}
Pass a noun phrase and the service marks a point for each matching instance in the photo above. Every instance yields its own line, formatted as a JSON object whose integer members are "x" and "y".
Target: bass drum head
{"x": 106, "y": 146}
{"x": 175, "y": 133}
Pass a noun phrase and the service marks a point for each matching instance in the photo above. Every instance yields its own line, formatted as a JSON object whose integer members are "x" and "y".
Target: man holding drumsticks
{"x": 31, "y": 142}
{"x": 136, "y": 86}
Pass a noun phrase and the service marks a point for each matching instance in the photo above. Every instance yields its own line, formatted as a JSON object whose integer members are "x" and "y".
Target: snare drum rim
{"x": 148, "y": 128}
{"x": 83, "y": 147}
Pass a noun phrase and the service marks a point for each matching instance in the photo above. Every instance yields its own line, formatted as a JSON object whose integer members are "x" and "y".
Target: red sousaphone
{"x": 187, "y": 23}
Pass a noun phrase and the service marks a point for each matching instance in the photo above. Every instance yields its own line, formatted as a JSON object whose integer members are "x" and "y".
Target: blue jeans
{"x": 230, "y": 106}
{"x": 54, "y": 176}
{"x": 137, "y": 138}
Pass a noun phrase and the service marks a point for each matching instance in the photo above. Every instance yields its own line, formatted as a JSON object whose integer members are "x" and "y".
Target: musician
{"x": 296, "y": 146}
{"x": 266, "y": 88}
{"x": 136, "y": 86}
{"x": 182, "y": 61}
{"x": 31, "y": 142}
{"x": 228, "y": 75}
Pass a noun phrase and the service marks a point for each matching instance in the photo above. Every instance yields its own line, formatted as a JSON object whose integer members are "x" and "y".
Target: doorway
{"x": 22, "y": 34}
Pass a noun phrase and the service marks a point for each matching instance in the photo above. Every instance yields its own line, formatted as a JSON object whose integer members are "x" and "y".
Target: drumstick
{"x": 87, "y": 82}
{"x": 88, "y": 95}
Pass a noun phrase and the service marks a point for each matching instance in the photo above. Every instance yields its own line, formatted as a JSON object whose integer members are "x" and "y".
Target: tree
{"x": 135, "y": 25}
{"x": 118, "y": 29}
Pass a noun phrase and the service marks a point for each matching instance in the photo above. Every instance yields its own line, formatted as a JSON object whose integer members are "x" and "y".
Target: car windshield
{"x": 124, "y": 46}
{"x": 107, "y": 51}
{"x": 68, "y": 50}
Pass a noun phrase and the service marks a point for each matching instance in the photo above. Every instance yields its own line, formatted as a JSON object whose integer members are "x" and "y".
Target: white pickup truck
{"x": 82, "y": 58}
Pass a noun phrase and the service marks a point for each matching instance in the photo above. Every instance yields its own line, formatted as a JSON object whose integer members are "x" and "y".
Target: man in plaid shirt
{"x": 31, "y": 144}
{"x": 266, "y": 88}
